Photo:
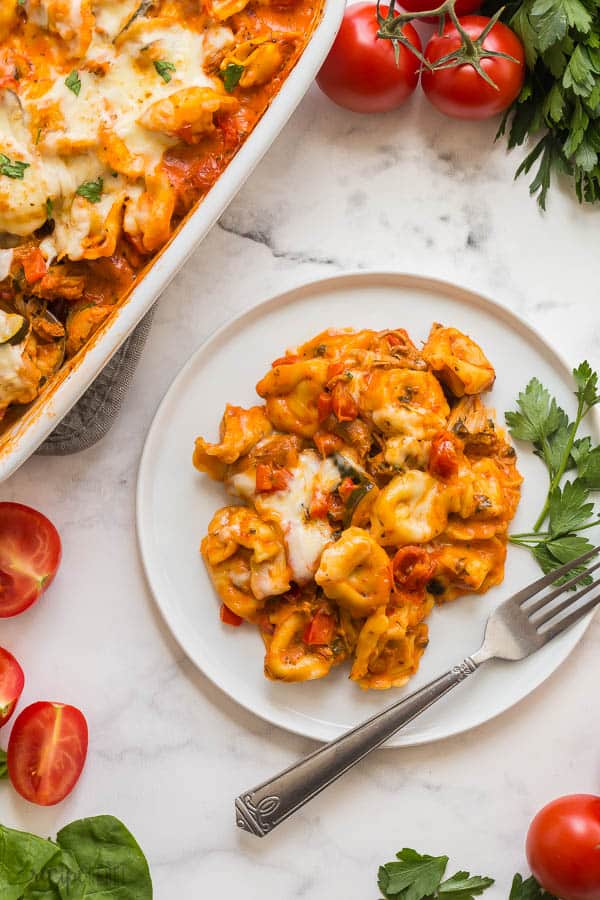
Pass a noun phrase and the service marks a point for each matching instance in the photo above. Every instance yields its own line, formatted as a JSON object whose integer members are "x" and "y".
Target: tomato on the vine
{"x": 461, "y": 8}
{"x": 563, "y": 847}
{"x": 360, "y": 72}
{"x": 460, "y": 91}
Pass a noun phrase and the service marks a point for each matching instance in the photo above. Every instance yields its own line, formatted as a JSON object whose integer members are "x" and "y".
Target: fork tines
{"x": 543, "y": 610}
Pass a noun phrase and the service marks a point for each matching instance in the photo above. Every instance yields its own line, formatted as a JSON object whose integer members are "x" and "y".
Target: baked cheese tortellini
{"x": 458, "y": 361}
{"x": 376, "y": 484}
{"x": 246, "y": 560}
{"x": 117, "y": 117}
{"x": 355, "y": 571}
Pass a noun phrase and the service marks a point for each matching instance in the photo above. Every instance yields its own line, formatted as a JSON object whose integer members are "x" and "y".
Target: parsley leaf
{"x": 569, "y": 508}
{"x": 49, "y": 207}
{"x": 3, "y": 765}
{"x": 73, "y": 82}
{"x": 463, "y": 886}
{"x": 588, "y": 467}
{"x": 539, "y": 414}
{"x": 231, "y": 75}
{"x": 165, "y": 69}
{"x": 12, "y": 169}
{"x": 528, "y": 890}
{"x": 416, "y": 876}
{"x": 91, "y": 190}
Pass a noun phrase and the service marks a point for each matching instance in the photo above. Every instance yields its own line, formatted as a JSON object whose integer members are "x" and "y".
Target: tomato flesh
{"x": 30, "y": 552}
{"x": 319, "y": 630}
{"x": 563, "y": 847}
{"x": 460, "y": 92}
{"x": 444, "y": 457}
{"x": 360, "y": 72}
{"x": 12, "y": 682}
{"x": 412, "y": 568}
{"x": 46, "y": 753}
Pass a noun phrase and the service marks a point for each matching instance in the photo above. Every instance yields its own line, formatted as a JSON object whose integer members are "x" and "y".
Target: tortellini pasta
{"x": 355, "y": 571}
{"x": 385, "y": 486}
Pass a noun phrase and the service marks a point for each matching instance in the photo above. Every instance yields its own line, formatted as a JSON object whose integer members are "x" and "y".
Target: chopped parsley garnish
{"x": 12, "y": 168}
{"x": 231, "y": 75}
{"x": 91, "y": 190}
{"x": 49, "y": 207}
{"x": 164, "y": 69}
{"x": 38, "y": 136}
{"x": 73, "y": 82}
{"x": 569, "y": 509}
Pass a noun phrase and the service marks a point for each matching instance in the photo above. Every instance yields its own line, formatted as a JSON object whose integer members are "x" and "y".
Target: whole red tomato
{"x": 460, "y": 91}
{"x": 360, "y": 72}
{"x": 563, "y": 847}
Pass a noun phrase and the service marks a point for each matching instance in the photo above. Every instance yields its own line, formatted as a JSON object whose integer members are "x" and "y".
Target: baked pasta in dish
{"x": 116, "y": 117}
{"x": 371, "y": 484}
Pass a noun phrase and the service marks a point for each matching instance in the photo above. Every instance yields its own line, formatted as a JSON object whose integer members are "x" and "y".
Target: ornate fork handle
{"x": 261, "y": 809}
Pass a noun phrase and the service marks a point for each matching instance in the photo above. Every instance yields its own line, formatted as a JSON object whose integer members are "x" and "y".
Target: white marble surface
{"x": 409, "y": 191}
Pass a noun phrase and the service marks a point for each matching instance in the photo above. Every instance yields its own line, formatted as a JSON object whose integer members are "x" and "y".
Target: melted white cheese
{"x": 12, "y": 380}
{"x": 305, "y": 538}
{"x": 63, "y": 155}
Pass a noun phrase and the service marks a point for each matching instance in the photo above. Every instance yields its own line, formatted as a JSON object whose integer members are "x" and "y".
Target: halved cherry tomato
{"x": 46, "y": 753}
{"x": 34, "y": 265}
{"x": 12, "y": 681}
{"x": 285, "y": 360}
{"x": 30, "y": 552}
{"x": 343, "y": 404}
{"x": 229, "y": 617}
{"x": 323, "y": 406}
{"x": 563, "y": 847}
{"x": 361, "y": 72}
{"x": 444, "y": 455}
{"x": 412, "y": 568}
{"x": 320, "y": 629}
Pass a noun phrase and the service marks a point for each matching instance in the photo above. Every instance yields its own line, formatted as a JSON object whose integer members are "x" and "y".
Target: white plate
{"x": 175, "y": 504}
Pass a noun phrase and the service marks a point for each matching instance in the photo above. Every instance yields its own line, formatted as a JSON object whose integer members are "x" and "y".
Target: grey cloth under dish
{"x": 92, "y": 417}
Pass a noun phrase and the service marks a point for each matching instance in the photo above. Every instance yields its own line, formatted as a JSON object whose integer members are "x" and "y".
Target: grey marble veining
{"x": 408, "y": 191}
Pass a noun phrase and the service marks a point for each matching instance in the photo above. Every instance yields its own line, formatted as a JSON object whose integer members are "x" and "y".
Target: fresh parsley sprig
{"x": 528, "y": 889}
{"x": 91, "y": 190}
{"x": 558, "y": 105}
{"x": 416, "y": 876}
{"x": 568, "y": 509}
{"x": 165, "y": 69}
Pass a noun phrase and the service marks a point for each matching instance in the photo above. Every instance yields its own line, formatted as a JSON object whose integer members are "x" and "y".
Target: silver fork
{"x": 516, "y": 629}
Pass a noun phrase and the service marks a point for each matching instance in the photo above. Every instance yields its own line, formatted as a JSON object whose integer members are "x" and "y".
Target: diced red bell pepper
{"x": 345, "y": 407}
{"x": 285, "y": 360}
{"x": 335, "y": 369}
{"x": 271, "y": 478}
{"x": 34, "y": 265}
{"x": 327, "y": 443}
{"x": 229, "y": 617}
{"x": 346, "y": 487}
{"x": 319, "y": 506}
{"x": 323, "y": 405}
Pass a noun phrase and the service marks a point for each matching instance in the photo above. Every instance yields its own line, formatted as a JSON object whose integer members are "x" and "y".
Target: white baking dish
{"x": 25, "y": 435}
